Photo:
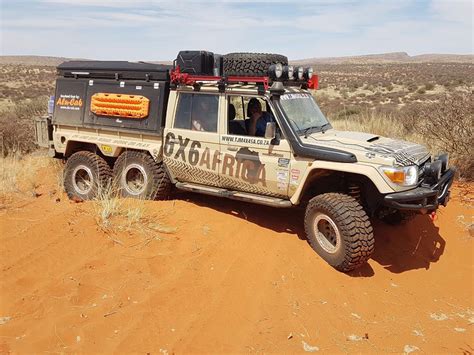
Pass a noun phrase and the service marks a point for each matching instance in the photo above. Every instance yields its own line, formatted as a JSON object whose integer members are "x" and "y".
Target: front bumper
{"x": 423, "y": 199}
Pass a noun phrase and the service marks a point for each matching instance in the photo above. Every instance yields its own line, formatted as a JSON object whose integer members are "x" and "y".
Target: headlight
{"x": 308, "y": 73}
{"x": 275, "y": 71}
{"x": 404, "y": 176}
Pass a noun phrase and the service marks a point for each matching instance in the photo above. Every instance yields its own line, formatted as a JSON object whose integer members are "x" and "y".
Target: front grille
{"x": 421, "y": 171}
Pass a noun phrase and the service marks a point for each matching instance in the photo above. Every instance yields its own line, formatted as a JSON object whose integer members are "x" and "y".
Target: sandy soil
{"x": 233, "y": 277}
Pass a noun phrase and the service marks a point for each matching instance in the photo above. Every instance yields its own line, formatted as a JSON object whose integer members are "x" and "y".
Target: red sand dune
{"x": 234, "y": 277}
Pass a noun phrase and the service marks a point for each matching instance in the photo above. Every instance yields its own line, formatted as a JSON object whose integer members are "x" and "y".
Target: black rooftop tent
{"x": 114, "y": 70}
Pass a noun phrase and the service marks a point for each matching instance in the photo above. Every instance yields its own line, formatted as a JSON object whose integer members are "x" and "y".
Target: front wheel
{"x": 339, "y": 230}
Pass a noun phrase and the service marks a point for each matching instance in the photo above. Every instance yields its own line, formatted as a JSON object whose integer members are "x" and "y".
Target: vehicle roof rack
{"x": 180, "y": 78}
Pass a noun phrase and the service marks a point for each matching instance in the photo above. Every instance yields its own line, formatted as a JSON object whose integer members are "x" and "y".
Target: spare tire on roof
{"x": 251, "y": 64}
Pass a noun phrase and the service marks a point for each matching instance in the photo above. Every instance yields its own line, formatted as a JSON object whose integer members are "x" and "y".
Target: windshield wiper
{"x": 324, "y": 126}
{"x": 308, "y": 130}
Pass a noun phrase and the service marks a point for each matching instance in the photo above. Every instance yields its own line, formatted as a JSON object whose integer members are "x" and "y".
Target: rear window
{"x": 197, "y": 112}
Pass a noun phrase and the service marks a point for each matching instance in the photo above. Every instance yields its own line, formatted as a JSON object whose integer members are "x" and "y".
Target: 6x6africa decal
{"x": 245, "y": 165}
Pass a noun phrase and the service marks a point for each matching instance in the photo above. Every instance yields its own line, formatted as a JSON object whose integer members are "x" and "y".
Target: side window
{"x": 183, "y": 112}
{"x": 240, "y": 122}
{"x": 204, "y": 113}
{"x": 197, "y": 112}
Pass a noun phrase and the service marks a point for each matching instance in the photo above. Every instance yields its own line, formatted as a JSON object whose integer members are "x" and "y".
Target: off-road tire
{"x": 251, "y": 64}
{"x": 356, "y": 242}
{"x": 84, "y": 174}
{"x": 156, "y": 183}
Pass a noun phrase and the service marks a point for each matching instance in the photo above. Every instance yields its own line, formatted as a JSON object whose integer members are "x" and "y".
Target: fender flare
{"x": 366, "y": 170}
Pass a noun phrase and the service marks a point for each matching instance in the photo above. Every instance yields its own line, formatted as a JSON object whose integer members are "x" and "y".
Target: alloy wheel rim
{"x": 82, "y": 179}
{"x": 134, "y": 179}
{"x": 327, "y": 233}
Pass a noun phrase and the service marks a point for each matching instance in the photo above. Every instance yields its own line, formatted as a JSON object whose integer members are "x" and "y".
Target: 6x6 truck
{"x": 242, "y": 126}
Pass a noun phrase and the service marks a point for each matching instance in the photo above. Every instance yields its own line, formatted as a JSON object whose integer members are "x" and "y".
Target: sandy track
{"x": 234, "y": 277}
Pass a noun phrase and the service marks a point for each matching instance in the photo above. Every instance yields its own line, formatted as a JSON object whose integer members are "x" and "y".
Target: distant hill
{"x": 32, "y": 60}
{"x": 396, "y": 57}
{"x": 48, "y": 61}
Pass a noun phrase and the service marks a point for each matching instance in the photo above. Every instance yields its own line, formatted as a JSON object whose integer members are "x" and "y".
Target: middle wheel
{"x": 137, "y": 175}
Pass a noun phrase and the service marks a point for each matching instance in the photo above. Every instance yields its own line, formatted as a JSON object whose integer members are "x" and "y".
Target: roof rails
{"x": 177, "y": 77}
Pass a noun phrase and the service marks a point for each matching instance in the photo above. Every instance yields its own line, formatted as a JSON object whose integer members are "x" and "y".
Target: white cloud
{"x": 153, "y": 29}
{"x": 460, "y": 11}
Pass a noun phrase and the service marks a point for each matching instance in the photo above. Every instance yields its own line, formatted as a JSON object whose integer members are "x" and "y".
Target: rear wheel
{"x": 339, "y": 230}
{"x": 137, "y": 175}
{"x": 85, "y": 173}
{"x": 251, "y": 64}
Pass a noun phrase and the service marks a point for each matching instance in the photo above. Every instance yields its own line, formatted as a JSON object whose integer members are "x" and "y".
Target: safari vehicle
{"x": 150, "y": 127}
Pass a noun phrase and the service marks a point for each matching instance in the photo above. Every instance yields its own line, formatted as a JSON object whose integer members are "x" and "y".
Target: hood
{"x": 368, "y": 147}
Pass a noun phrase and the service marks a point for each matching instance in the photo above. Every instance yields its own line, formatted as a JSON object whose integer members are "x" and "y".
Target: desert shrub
{"x": 380, "y": 122}
{"x": 447, "y": 125}
{"x": 412, "y": 87}
{"x": 429, "y": 86}
{"x": 16, "y": 126}
{"x": 347, "y": 111}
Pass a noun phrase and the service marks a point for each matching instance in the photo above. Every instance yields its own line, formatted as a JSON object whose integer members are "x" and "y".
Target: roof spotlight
{"x": 308, "y": 73}
{"x": 275, "y": 71}
{"x": 299, "y": 73}
{"x": 288, "y": 72}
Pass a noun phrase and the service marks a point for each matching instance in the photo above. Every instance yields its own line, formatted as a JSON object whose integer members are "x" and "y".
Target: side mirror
{"x": 276, "y": 140}
{"x": 270, "y": 130}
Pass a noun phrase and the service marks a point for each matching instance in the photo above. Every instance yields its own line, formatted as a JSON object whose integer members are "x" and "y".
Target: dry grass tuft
{"x": 107, "y": 206}
{"x": 370, "y": 121}
{"x": 18, "y": 175}
{"x": 115, "y": 214}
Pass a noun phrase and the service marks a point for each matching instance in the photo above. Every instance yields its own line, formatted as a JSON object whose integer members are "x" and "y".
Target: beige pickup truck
{"x": 242, "y": 126}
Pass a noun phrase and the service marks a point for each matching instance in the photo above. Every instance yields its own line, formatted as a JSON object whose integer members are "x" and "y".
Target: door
{"x": 191, "y": 147}
{"x": 251, "y": 163}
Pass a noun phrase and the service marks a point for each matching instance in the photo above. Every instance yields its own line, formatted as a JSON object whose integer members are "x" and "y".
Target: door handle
{"x": 233, "y": 149}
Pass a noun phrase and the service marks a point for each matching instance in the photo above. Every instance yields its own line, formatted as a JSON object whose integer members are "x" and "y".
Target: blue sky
{"x": 158, "y": 29}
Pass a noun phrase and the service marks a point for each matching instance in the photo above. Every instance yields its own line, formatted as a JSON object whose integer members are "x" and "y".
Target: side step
{"x": 235, "y": 195}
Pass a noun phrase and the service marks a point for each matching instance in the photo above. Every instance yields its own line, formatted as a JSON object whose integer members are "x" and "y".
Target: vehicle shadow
{"x": 414, "y": 245}
{"x": 280, "y": 220}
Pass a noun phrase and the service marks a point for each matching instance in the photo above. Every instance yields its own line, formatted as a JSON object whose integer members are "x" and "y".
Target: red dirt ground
{"x": 233, "y": 277}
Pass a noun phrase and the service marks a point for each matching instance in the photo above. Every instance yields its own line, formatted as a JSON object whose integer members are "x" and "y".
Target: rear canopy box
{"x": 120, "y": 85}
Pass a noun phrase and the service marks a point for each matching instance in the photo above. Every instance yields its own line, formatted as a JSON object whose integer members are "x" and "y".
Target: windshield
{"x": 303, "y": 112}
